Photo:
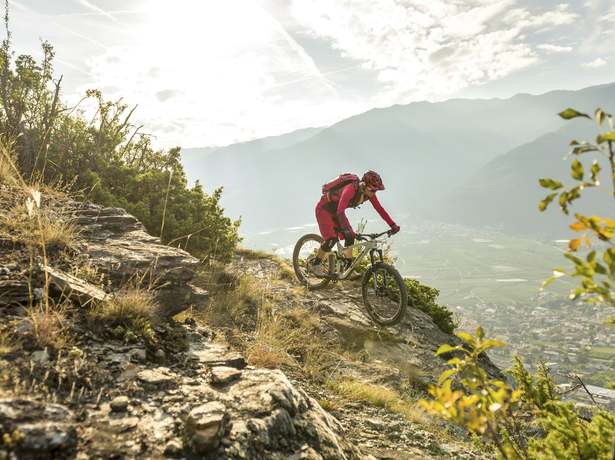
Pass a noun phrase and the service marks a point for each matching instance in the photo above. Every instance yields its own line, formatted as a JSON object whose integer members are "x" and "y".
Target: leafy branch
{"x": 596, "y": 271}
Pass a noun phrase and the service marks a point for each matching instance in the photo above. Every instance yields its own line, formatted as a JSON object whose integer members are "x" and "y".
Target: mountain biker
{"x": 332, "y": 220}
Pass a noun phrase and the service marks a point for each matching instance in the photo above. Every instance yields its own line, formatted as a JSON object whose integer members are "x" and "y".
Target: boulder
{"x": 205, "y": 426}
{"x": 74, "y": 288}
{"x": 270, "y": 418}
{"x": 120, "y": 247}
{"x": 38, "y": 430}
{"x": 222, "y": 375}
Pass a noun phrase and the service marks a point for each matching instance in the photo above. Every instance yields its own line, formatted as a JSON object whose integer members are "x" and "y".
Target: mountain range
{"x": 471, "y": 161}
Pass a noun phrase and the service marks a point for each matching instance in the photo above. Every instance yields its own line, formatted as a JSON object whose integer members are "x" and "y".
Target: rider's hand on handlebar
{"x": 394, "y": 229}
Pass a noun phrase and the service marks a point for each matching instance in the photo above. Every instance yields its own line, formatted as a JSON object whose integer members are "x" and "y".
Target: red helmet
{"x": 373, "y": 180}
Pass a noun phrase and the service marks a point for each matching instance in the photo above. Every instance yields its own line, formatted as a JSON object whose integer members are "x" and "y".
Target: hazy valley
{"x": 462, "y": 180}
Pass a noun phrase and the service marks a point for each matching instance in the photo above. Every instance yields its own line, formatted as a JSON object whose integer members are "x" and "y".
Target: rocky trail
{"x": 389, "y": 355}
{"x": 185, "y": 392}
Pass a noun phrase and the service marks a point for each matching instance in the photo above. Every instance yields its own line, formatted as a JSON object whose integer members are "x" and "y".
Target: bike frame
{"x": 371, "y": 247}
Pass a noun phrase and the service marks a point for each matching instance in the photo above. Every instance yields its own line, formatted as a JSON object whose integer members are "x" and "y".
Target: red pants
{"x": 327, "y": 222}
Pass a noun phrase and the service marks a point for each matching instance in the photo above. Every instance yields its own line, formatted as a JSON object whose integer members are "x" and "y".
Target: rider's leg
{"x": 326, "y": 225}
{"x": 348, "y": 242}
{"x": 326, "y": 247}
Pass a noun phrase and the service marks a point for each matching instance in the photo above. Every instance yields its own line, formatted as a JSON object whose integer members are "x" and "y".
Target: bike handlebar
{"x": 372, "y": 236}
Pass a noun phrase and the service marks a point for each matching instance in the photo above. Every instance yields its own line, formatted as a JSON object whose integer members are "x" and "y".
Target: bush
{"x": 504, "y": 416}
{"x": 425, "y": 299}
{"x": 105, "y": 157}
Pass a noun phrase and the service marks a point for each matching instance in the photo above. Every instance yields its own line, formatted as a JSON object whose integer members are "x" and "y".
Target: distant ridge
{"x": 424, "y": 151}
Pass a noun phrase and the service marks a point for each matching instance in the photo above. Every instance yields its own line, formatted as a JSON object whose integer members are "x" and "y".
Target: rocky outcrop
{"x": 110, "y": 241}
{"x": 35, "y": 430}
{"x": 185, "y": 407}
{"x": 118, "y": 244}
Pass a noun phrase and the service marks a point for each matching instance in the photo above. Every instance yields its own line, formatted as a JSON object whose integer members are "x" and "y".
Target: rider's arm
{"x": 346, "y": 196}
{"x": 380, "y": 210}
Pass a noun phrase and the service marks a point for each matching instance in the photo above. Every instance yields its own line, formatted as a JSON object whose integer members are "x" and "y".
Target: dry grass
{"x": 234, "y": 302}
{"x": 127, "y": 315}
{"x": 293, "y": 338}
{"x": 285, "y": 270}
{"x": 7, "y": 175}
{"x": 47, "y": 326}
{"x": 290, "y": 338}
{"x": 329, "y": 405}
{"x": 272, "y": 343}
{"x": 379, "y": 396}
{"x": 8, "y": 171}
{"x": 7, "y": 343}
{"x": 54, "y": 232}
{"x": 89, "y": 272}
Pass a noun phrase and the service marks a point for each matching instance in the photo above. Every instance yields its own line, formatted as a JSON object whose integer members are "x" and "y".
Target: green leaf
{"x": 492, "y": 343}
{"x": 545, "y": 203}
{"x": 572, "y": 113}
{"x": 595, "y": 169}
{"x": 578, "y": 262}
{"x": 447, "y": 374}
{"x": 563, "y": 201}
{"x": 467, "y": 338}
{"x": 557, "y": 273}
{"x": 608, "y": 136}
{"x": 584, "y": 148}
{"x": 550, "y": 183}
{"x": 576, "y": 170}
{"x": 599, "y": 115}
{"x": 601, "y": 269}
{"x": 446, "y": 348}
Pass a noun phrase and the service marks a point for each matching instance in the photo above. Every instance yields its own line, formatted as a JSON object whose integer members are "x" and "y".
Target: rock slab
{"x": 38, "y": 430}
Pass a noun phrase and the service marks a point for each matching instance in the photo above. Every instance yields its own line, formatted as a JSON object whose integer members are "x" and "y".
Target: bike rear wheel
{"x": 384, "y": 294}
{"x": 304, "y": 252}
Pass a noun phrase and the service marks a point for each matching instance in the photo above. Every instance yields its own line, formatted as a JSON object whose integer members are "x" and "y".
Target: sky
{"x": 216, "y": 72}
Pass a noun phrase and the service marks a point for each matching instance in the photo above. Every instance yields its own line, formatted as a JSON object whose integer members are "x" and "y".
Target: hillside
{"x": 505, "y": 193}
{"x": 423, "y": 150}
{"x": 92, "y": 363}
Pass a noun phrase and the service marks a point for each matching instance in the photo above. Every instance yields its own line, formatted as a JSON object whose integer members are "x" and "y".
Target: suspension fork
{"x": 373, "y": 254}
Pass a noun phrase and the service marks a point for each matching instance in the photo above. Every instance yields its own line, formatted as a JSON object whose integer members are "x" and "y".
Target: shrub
{"x": 126, "y": 315}
{"x": 425, "y": 299}
{"x": 504, "y": 416}
{"x": 595, "y": 272}
{"x": 106, "y": 157}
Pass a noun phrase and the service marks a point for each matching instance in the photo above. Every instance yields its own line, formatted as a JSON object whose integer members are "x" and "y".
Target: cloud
{"x": 549, "y": 48}
{"x": 215, "y": 76}
{"x": 596, "y": 63}
{"x": 609, "y": 16}
{"x": 166, "y": 94}
{"x": 432, "y": 49}
{"x": 97, "y": 10}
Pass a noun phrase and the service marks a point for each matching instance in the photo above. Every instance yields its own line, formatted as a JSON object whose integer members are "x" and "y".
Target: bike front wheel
{"x": 384, "y": 294}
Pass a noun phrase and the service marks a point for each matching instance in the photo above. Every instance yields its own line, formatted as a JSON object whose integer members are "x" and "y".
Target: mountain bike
{"x": 382, "y": 287}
